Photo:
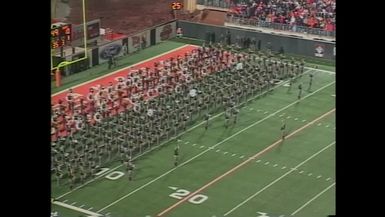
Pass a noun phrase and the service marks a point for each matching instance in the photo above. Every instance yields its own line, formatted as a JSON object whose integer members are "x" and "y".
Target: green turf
{"x": 102, "y": 69}
{"x": 257, "y": 127}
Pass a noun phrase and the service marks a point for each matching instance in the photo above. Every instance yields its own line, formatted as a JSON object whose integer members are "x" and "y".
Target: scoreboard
{"x": 60, "y": 36}
{"x": 176, "y": 6}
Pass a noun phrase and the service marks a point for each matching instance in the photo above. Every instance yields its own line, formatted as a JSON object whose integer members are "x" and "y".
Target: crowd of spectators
{"x": 305, "y": 13}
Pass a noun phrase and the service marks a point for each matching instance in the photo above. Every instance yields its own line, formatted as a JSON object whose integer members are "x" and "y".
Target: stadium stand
{"x": 296, "y": 13}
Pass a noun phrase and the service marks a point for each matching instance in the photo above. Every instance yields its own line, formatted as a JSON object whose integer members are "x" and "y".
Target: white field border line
{"x": 127, "y": 67}
{"x": 279, "y": 178}
{"x": 77, "y": 208}
{"x": 165, "y": 142}
{"x": 321, "y": 70}
{"x": 315, "y": 197}
{"x": 244, "y": 163}
{"x": 203, "y": 152}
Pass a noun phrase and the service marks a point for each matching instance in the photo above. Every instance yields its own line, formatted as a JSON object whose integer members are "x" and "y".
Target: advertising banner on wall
{"x": 319, "y": 50}
{"x": 165, "y": 32}
{"x": 114, "y": 48}
{"x": 139, "y": 41}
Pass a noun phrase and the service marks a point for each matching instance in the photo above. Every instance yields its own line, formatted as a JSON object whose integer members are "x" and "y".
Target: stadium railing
{"x": 214, "y": 3}
{"x": 279, "y": 26}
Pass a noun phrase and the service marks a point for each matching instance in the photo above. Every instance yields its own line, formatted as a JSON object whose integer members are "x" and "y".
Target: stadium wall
{"x": 290, "y": 44}
{"x": 146, "y": 38}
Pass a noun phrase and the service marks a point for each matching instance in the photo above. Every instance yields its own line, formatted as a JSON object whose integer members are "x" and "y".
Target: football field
{"x": 240, "y": 171}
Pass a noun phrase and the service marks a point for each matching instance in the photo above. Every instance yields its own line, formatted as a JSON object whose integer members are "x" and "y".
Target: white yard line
{"x": 241, "y": 164}
{"x": 77, "y": 209}
{"x": 205, "y": 151}
{"x": 315, "y": 197}
{"x": 276, "y": 180}
{"x": 321, "y": 70}
{"x": 192, "y": 128}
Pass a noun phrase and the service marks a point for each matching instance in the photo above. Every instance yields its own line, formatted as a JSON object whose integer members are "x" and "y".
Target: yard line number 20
{"x": 196, "y": 199}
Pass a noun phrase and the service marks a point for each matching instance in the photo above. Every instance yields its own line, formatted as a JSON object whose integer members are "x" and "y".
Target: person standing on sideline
{"x": 299, "y": 91}
{"x": 310, "y": 82}
{"x": 110, "y": 61}
{"x": 283, "y": 130}
{"x": 125, "y": 49}
{"x": 176, "y": 155}
{"x": 207, "y": 117}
